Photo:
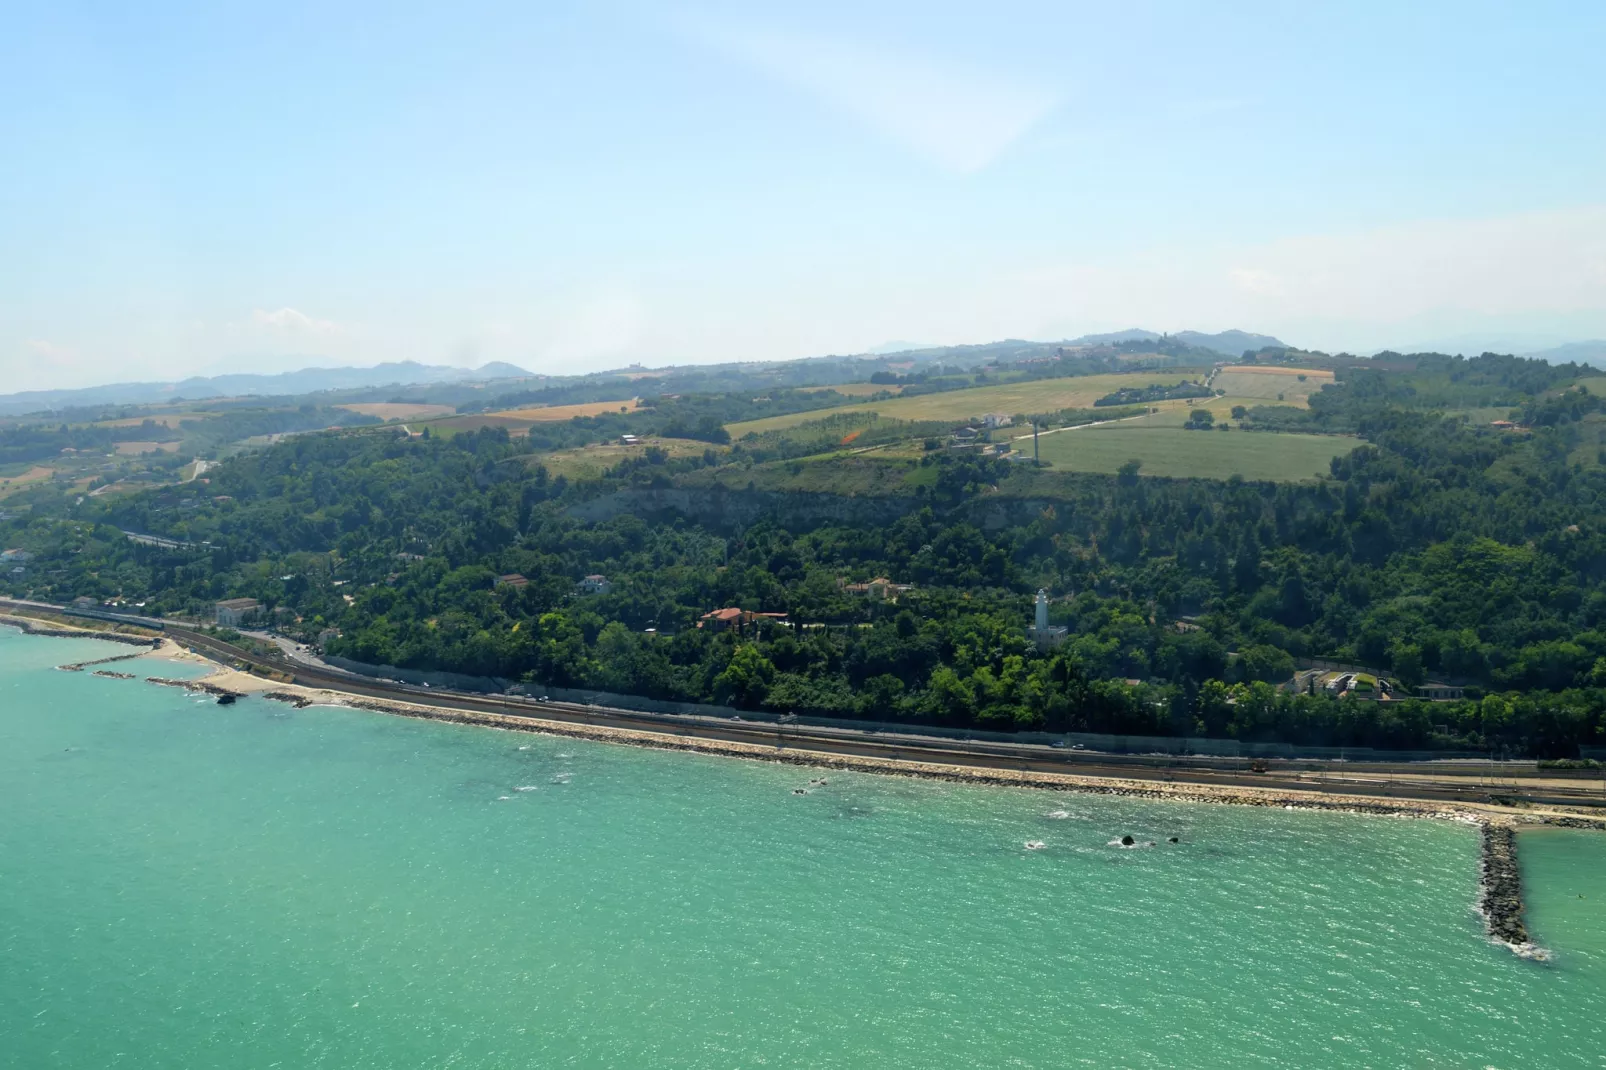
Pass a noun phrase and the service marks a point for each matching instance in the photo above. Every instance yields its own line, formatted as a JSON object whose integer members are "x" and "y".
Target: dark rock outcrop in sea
{"x": 195, "y": 685}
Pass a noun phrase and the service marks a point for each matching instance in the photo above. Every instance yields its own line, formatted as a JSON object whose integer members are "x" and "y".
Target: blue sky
{"x": 572, "y": 187}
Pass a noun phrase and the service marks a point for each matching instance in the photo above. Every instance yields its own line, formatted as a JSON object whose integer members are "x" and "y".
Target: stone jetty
{"x": 1500, "y": 900}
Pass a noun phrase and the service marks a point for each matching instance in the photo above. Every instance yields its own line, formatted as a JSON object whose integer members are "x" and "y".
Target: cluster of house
{"x": 593, "y": 584}
{"x": 736, "y": 620}
{"x": 1368, "y": 687}
{"x": 16, "y": 559}
{"x": 970, "y": 436}
{"x": 880, "y": 587}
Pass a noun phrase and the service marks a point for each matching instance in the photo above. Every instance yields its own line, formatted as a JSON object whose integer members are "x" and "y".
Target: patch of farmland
{"x": 1171, "y": 451}
{"x": 854, "y": 390}
{"x": 1286, "y": 386}
{"x": 396, "y": 410}
{"x": 589, "y": 462}
{"x": 519, "y": 420}
{"x": 37, "y": 474}
{"x": 165, "y": 419}
{"x": 1033, "y": 396}
{"x": 131, "y": 449}
{"x": 544, "y": 413}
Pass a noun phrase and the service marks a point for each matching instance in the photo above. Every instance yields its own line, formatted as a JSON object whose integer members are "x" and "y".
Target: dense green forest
{"x": 1440, "y": 548}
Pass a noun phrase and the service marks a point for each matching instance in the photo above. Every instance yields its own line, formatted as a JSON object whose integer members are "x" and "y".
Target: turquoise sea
{"x": 189, "y": 885}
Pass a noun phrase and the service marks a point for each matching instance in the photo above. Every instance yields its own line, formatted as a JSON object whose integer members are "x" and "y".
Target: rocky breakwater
{"x": 80, "y": 666}
{"x": 196, "y": 685}
{"x": 1501, "y": 898}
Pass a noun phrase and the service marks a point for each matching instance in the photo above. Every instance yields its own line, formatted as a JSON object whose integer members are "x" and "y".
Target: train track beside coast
{"x": 1307, "y": 781}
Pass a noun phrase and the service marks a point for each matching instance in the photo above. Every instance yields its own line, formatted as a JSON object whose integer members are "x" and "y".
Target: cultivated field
{"x": 390, "y": 410}
{"x": 132, "y": 449}
{"x": 1287, "y": 386}
{"x": 1041, "y": 395}
{"x": 1171, "y": 451}
{"x": 37, "y": 474}
{"x": 545, "y": 413}
{"x": 518, "y": 421}
{"x": 589, "y": 462}
{"x": 855, "y": 390}
{"x": 165, "y": 419}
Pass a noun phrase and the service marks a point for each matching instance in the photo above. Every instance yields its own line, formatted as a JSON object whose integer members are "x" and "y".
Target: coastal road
{"x": 1462, "y": 782}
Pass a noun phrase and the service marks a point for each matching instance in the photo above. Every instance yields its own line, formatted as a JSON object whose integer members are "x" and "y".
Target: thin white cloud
{"x": 1256, "y": 281}
{"x": 292, "y": 321}
{"x": 958, "y": 118}
{"x": 49, "y": 350}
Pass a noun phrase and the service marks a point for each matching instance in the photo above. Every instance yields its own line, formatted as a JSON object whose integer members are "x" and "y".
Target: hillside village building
{"x": 233, "y": 612}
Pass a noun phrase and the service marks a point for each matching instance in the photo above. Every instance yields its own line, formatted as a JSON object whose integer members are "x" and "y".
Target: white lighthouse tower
{"x": 1042, "y": 633}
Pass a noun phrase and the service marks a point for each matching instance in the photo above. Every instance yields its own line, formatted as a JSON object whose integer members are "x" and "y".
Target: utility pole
{"x": 1035, "y": 462}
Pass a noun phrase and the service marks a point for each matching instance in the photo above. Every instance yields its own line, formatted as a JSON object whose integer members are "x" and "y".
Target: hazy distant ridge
{"x": 1227, "y": 343}
{"x": 305, "y": 381}
{"x": 1590, "y": 352}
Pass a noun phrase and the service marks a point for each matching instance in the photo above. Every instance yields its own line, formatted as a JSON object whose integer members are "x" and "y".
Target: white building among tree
{"x": 1044, "y": 634}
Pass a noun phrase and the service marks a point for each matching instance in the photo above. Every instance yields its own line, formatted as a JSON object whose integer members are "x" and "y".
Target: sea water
{"x": 184, "y": 884}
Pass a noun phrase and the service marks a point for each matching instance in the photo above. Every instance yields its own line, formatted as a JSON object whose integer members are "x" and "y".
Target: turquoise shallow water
{"x": 183, "y": 884}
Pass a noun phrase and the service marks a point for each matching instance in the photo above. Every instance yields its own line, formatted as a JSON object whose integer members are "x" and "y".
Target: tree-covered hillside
{"x": 1438, "y": 549}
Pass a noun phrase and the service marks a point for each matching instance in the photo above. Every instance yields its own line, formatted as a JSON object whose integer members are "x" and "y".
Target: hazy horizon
{"x": 578, "y": 188}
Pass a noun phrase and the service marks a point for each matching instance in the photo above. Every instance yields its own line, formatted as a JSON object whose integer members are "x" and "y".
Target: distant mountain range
{"x": 1591, "y": 352}
{"x": 305, "y": 381}
{"x": 1227, "y": 343}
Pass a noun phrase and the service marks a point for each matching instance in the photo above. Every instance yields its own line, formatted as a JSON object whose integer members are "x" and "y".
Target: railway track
{"x": 1461, "y": 782}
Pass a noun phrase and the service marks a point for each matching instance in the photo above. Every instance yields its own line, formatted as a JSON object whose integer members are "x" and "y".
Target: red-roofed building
{"x": 719, "y": 620}
{"x": 731, "y": 618}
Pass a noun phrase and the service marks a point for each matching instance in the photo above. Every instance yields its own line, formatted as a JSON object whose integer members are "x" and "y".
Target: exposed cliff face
{"x": 719, "y": 507}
